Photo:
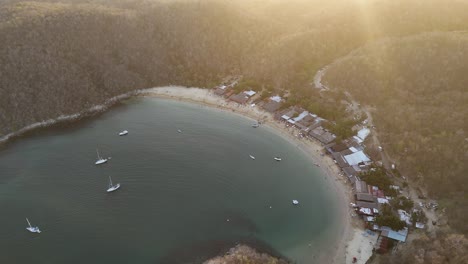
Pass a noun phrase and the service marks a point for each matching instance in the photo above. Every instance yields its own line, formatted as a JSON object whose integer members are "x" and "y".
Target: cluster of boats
{"x": 112, "y": 187}
{"x": 100, "y": 160}
{"x": 275, "y": 158}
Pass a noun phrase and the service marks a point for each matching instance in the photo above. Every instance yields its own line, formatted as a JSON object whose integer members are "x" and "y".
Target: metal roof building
{"x": 395, "y": 235}
{"x": 356, "y": 158}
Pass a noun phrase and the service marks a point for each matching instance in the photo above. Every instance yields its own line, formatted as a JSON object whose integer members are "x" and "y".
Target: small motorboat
{"x": 32, "y": 229}
{"x": 255, "y": 125}
{"x": 252, "y": 157}
{"x": 277, "y": 158}
{"x": 179, "y": 131}
{"x": 100, "y": 159}
{"x": 295, "y": 202}
{"x": 112, "y": 187}
{"x": 123, "y": 133}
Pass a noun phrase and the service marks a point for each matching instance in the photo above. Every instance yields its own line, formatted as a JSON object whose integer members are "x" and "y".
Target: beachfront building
{"x": 221, "y": 90}
{"x": 310, "y": 122}
{"x": 301, "y": 119}
{"x": 274, "y": 103}
{"x": 399, "y": 236}
{"x": 350, "y": 157}
{"x": 239, "y": 98}
{"x": 322, "y": 135}
{"x": 351, "y": 173}
{"x": 357, "y": 158}
{"x": 366, "y": 197}
{"x": 242, "y": 97}
{"x": 297, "y": 118}
{"x": 361, "y": 187}
{"x": 286, "y": 114}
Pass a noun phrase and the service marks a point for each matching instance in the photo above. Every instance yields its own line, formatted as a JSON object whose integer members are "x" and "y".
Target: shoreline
{"x": 67, "y": 118}
{"x": 348, "y": 241}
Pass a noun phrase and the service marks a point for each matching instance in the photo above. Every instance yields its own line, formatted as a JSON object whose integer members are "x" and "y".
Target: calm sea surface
{"x": 184, "y": 196}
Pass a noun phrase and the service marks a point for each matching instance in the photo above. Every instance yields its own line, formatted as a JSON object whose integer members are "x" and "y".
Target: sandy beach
{"x": 353, "y": 241}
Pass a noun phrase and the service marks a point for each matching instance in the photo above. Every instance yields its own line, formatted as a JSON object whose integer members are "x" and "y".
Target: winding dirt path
{"x": 386, "y": 160}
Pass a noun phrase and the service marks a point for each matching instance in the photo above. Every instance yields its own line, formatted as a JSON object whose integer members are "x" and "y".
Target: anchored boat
{"x": 100, "y": 159}
{"x": 112, "y": 187}
{"x": 32, "y": 229}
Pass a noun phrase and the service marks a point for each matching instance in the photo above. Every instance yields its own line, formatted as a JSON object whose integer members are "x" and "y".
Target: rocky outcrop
{"x": 242, "y": 254}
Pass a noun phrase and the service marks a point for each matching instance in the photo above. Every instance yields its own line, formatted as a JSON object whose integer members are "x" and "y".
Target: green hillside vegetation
{"x": 418, "y": 87}
{"x": 62, "y": 56}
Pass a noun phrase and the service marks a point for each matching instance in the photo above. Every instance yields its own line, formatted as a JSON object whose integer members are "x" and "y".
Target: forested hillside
{"x": 418, "y": 89}
{"x": 418, "y": 86}
{"x": 61, "y": 58}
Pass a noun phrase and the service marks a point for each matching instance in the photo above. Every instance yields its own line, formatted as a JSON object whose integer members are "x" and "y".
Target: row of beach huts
{"x": 348, "y": 154}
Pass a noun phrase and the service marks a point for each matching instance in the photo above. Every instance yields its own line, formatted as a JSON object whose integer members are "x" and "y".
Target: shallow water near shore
{"x": 184, "y": 196}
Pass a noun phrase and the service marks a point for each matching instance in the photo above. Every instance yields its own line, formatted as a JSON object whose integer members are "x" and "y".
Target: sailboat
{"x": 32, "y": 229}
{"x": 112, "y": 187}
{"x": 100, "y": 159}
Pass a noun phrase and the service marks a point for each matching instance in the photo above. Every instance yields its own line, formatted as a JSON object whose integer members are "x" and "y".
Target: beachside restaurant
{"x": 242, "y": 97}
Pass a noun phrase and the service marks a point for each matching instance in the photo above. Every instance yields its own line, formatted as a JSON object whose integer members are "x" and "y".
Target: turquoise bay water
{"x": 178, "y": 190}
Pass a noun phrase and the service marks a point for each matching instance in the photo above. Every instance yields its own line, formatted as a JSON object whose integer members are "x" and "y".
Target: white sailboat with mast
{"x": 112, "y": 187}
{"x": 32, "y": 229}
{"x": 100, "y": 159}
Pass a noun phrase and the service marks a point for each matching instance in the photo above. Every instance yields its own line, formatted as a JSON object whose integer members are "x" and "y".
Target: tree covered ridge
{"x": 72, "y": 54}
{"x": 419, "y": 89}
{"x": 60, "y": 58}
